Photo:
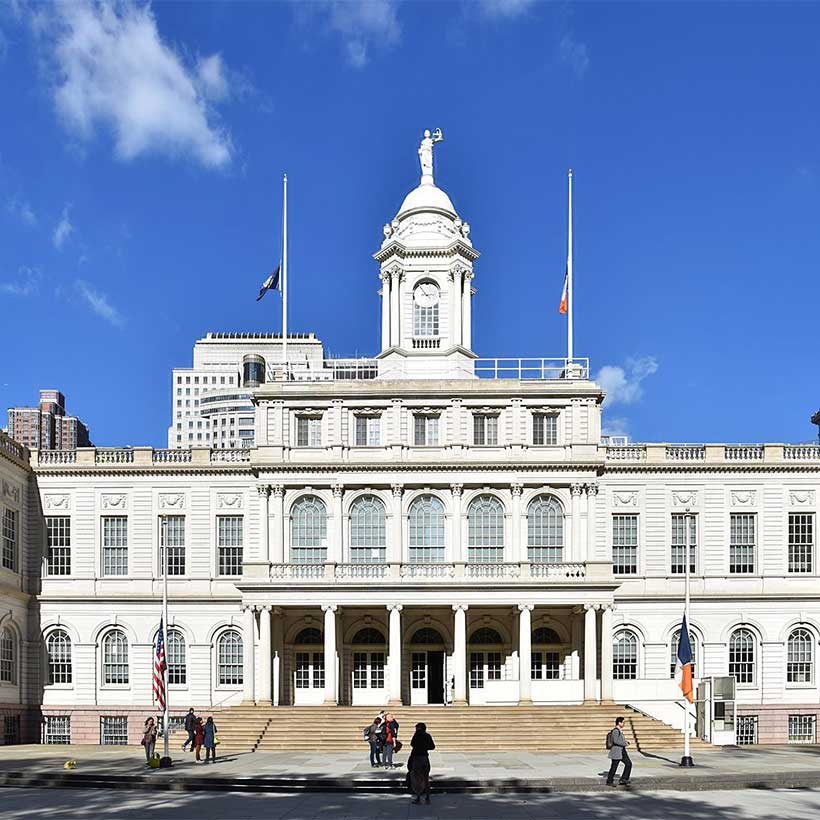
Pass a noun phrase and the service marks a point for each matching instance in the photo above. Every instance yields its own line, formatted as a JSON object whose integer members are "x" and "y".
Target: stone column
{"x": 248, "y": 670}
{"x": 576, "y": 490}
{"x": 515, "y": 529}
{"x": 460, "y": 654}
{"x": 525, "y": 653}
{"x": 385, "y": 277}
{"x": 330, "y": 653}
{"x": 336, "y": 552}
{"x": 277, "y": 555}
{"x": 466, "y": 323}
{"x": 606, "y": 651}
{"x": 459, "y": 556}
{"x": 455, "y": 305}
{"x": 264, "y": 521}
{"x": 395, "y": 308}
{"x": 265, "y": 656}
{"x": 394, "y": 551}
{"x": 592, "y": 495}
{"x": 590, "y": 652}
{"x": 394, "y": 691}
{"x": 277, "y": 639}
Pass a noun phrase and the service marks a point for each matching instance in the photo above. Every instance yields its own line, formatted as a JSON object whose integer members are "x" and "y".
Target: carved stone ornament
{"x": 11, "y": 491}
{"x": 113, "y": 502}
{"x": 56, "y": 502}
{"x": 171, "y": 501}
{"x": 743, "y": 498}
{"x": 625, "y": 498}
{"x": 231, "y": 501}
{"x": 684, "y": 498}
{"x": 801, "y": 498}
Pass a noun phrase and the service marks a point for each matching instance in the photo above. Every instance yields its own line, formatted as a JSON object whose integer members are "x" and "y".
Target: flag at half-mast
{"x": 562, "y": 308}
{"x": 683, "y": 665}
{"x": 159, "y": 668}
{"x": 271, "y": 283}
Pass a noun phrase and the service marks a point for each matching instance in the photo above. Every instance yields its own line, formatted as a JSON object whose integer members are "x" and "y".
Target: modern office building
{"x": 47, "y": 426}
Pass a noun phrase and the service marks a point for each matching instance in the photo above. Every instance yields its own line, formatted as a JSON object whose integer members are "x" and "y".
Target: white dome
{"x": 427, "y": 197}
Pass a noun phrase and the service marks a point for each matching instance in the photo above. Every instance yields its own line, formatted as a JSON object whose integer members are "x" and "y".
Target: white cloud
{"x": 99, "y": 304}
{"x": 22, "y": 210}
{"x": 574, "y": 54}
{"x": 507, "y": 9}
{"x": 114, "y": 70}
{"x": 623, "y": 384}
{"x": 27, "y": 283}
{"x": 63, "y": 230}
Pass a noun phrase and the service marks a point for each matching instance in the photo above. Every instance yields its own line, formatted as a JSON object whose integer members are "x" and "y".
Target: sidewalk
{"x": 124, "y": 767}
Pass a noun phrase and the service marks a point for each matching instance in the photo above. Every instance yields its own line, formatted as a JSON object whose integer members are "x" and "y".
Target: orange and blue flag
{"x": 683, "y": 667}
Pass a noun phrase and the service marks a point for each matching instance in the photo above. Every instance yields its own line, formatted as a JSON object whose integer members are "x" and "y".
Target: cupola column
{"x": 466, "y": 332}
{"x": 385, "y": 277}
{"x": 456, "y": 277}
{"x": 395, "y": 307}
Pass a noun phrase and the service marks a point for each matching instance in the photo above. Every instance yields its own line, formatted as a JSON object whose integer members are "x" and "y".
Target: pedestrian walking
{"x": 375, "y": 737}
{"x": 149, "y": 739}
{"x": 391, "y": 739}
{"x": 418, "y": 764}
{"x": 199, "y": 737}
{"x": 210, "y": 740}
{"x": 190, "y": 722}
{"x": 616, "y": 743}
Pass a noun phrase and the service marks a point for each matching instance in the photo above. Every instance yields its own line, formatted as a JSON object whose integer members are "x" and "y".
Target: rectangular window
{"x": 10, "y": 539}
{"x": 801, "y": 542}
{"x": 308, "y": 431}
{"x": 425, "y": 430}
{"x": 360, "y": 670}
{"x": 11, "y": 729}
{"x": 679, "y": 543}
{"x": 57, "y": 730}
{"x": 802, "y": 728}
{"x": 485, "y": 429}
{"x": 115, "y": 545}
{"x": 418, "y": 671}
{"x": 368, "y": 431}
{"x": 625, "y": 544}
{"x": 476, "y": 670}
{"x": 229, "y": 544}
{"x": 746, "y": 730}
{"x": 741, "y": 543}
{"x": 172, "y": 542}
{"x": 318, "y": 670}
{"x": 544, "y": 429}
{"x": 58, "y": 535}
{"x": 114, "y": 731}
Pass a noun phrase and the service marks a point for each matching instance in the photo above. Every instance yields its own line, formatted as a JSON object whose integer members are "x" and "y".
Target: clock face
{"x": 426, "y": 294}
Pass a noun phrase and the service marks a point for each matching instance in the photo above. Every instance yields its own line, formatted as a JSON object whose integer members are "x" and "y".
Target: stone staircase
{"x": 455, "y": 729}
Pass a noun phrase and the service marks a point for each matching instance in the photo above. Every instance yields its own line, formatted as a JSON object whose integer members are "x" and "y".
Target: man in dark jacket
{"x": 375, "y": 737}
{"x": 190, "y": 723}
{"x": 617, "y": 753}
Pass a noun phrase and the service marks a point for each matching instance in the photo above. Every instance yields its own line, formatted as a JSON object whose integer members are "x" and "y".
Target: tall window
{"x": 425, "y": 310}
{"x": 8, "y": 656}
{"x": 229, "y": 533}
{"x": 176, "y": 657}
{"x": 229, "y": 659}
{"x": 425, "y": 430}
{"x": 172, "y": 541}
{"x": 485, "y": 525}
{"x": 800, "y": 657}
{"x": 115, "y": 545}
{"x": 58, "y": 534}
{"x": 368, "y": 431}
{"x": 426, "y": 530}
{"x": 485, "y": 429}
{"x": 544, "y": 429}
{"x": 545, "y": 530}
{"x": 115, "y": 657}
{"x": 801, "y": 542}
{"x": 545, "y": 661}
{"x": 673, "y": 660}
{"x": 679, "y": 543}
{"x": 308, "y": 431}
{"x": 58, "y": 649}
{"x": 308, "y": 531}
{"x": 742, "y": 656}
{"x": 367, "y": 530}
{"x": 9, "y": 551}
{"x": 625, "y": 655}
{"x": 742, "y": 542}
{"x": 625, "y": 544}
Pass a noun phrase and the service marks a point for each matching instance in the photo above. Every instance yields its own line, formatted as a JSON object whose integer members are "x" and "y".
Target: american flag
{"x": 159, "y": 668}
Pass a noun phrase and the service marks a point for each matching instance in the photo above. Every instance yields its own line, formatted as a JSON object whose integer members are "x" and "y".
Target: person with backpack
{"x": 190, "y": 722}
{"x": 391, "y": 740}
{"x": 616, "y": 745}
{"x": 374, "y": 735}
{"x": 149, "y": 739}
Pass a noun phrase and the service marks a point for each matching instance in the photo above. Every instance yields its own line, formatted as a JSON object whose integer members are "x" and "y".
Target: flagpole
{"x": 285, "y": 275}
{"x": 165, "y": 717}
{"x": 686, "y": 760}
{"x": 570, "y": 297}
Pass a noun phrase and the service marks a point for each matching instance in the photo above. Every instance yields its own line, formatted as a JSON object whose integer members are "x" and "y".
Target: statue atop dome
{"x": 426, "y": 155}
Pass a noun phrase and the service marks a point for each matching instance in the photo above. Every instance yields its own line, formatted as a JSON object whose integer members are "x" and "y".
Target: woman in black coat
{"x": 419, "y": 763}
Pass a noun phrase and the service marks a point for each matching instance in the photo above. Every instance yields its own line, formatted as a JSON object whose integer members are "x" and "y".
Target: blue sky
{"x": 142, "y": 147}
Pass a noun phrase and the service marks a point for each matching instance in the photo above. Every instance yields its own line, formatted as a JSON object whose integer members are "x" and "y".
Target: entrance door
{"x": 308, "y": 678}
{"x": 427, "y": 678}
{"x": 484, "y": 666}
{"x": 368, "y": 678}
{"x": 435, "y": 677}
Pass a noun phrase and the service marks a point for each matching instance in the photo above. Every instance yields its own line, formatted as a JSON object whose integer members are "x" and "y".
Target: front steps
{"x": 455, "y": 729}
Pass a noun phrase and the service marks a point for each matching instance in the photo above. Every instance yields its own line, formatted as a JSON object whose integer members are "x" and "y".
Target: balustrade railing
{"x": 9, "y": 446}
{"x": 298, "y": 571}
{"x": 366, "y": 571}
{"x": 743, "y": 452}
{"x": 427, "y": 571}
{"x": 626, "y": 452}
{"x": 570, "y": 571}
{"x": 802, "y": 452}
{"x": 685, "y": 452}
{"x": 114, "y": 455}
{"x": 492, "y": 570}
{"x": 57, "y": 457}
{"x": 229, "y": 456}
{"x": 171, "y": 456}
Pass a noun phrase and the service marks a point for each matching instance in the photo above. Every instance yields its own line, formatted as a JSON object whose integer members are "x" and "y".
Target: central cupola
{"x": 426, "y": 262}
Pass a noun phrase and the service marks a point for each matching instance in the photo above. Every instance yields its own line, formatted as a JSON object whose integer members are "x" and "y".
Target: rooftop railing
{"x": 12, "y": 448}
{"x": 695, "y": 454}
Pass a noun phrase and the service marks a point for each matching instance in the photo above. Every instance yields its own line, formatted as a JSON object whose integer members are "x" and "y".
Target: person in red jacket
{"x": 199, "y": 737}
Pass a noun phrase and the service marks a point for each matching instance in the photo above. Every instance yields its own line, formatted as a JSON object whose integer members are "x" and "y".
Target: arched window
{"x": 673, "y": 657}
{"x": 545, "y": 530}
{"x": 485, "y": 526}
{"x": 176, "y": 657}
{"x": 115, "y": 657}
{"x": 368, "y": 635}
{"x": 58, "y": 649}
{"x": 742, "y": 656}
{"x": 625, "y": 655}
{"x": 425, "y": 309}
{"x": 426, "y": 530}
{"x": 230, "y": 659}
{"x": 545, "y": 635}
{"x": 8, "y": 656}
{"x": 308, "y": 531}
{"x": 367, "y": 530}
{"x": 800, "y": 657}
{"x": 310, "y": 636}
{"x": 427, "y": 636}
{"x": 486, "y": 635}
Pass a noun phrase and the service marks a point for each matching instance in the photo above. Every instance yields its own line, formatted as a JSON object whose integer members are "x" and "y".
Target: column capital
{"x": 338, "y": 490}
{"x": 576, "y": 489}
{"x": 610, "y": 607}
{"x": 592, "y": 489}
{"x": 263, "y": 489}
{"x": 329, "y": 607}
{"x": 397, "y": 490}
{"x": 457, "y": 489}
{"x": 526, "y": 607}
{"x": 588, "y": 607}
{"x": 384, "y": 276}
{"x": 278, "y": 490}
{"x": 516, "y": 489}
{"x": 460, "y": 607}
{"x": 265, "y": 607}
{"x": 248, "y": 607}
{"x": 395, "y": 607}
